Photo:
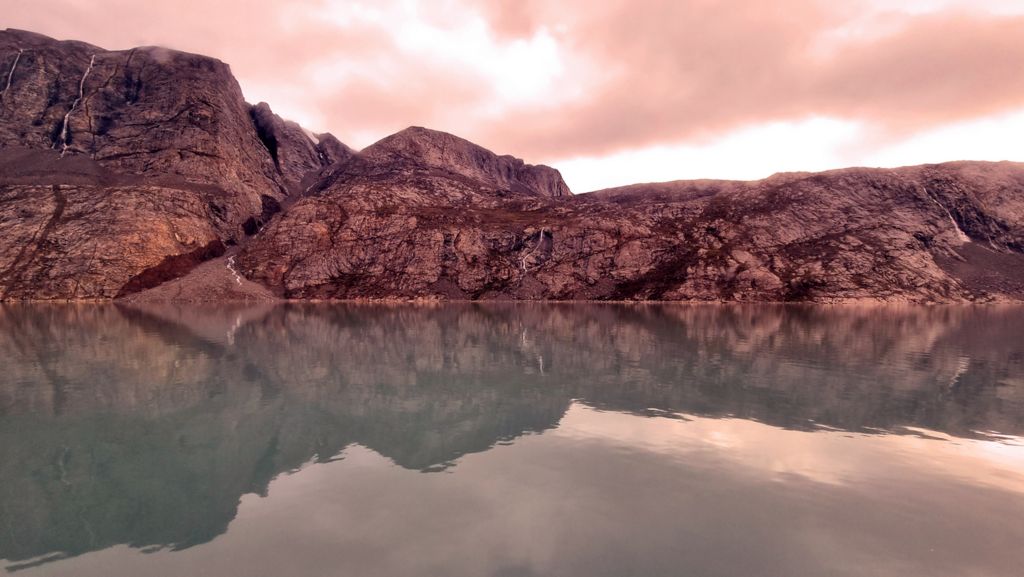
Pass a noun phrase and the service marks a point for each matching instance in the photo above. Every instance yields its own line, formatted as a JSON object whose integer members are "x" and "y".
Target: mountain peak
{"x": 29, "y": 39}
{"x": 435, "y": 149}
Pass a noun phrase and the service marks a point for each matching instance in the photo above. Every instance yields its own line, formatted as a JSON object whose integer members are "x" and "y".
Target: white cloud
{"x": 520, "y": 71}
{"x": 996, "y": 7}
{"x": 810, "y": 145}
{"x": 746, "y": 154}
{"x": 994, "y": 138}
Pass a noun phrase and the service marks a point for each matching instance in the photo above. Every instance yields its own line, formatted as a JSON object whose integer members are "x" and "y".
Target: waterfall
{"x": 540, "y": 242}
{"x": 81, "y": 92}
{"x": 961, "y": 235}
{"x": 10, "y": 74}
{"x": 234, "y": 271}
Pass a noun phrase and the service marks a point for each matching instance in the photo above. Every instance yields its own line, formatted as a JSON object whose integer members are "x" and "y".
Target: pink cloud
{"x": 687, "y": 70}
{"x": 635, "y": 74}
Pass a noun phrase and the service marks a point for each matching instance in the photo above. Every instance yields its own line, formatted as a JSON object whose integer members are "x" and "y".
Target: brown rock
{"x": 431, "y": 149}
{"x": 118, "y": 167}
{"x": 125, "y": 170}
{"x": 845, "y": 235}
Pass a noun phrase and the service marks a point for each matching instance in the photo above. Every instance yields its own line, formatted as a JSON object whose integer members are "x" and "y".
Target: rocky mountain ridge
{"x": 143, "y": 174}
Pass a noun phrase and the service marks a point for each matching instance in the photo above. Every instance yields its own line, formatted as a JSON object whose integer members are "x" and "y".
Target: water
{"x": 512, "y": 440}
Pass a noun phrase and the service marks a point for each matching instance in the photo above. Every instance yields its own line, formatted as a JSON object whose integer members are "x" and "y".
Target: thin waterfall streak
{"x": 540, "y": 240}
{"x": 67, "y": 117}
{"x": 10, "y": 73}
{"x": 961, "y": 235}
{"x": 234, "y": 271}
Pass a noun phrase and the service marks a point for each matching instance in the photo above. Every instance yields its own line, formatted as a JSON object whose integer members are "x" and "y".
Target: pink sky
{"x": 616, "y": 91}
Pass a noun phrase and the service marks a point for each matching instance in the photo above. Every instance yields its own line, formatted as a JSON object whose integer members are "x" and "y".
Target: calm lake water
{"x": 512, "y": 440}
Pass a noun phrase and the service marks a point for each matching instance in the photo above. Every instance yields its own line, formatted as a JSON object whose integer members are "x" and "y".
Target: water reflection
{"x": 146, "y": 427}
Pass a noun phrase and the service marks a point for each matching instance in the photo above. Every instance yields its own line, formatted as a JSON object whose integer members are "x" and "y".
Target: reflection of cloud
{"x": 612, "y": 494}
{"x": 827, "y": 456}
{"x": 765, "y": 400}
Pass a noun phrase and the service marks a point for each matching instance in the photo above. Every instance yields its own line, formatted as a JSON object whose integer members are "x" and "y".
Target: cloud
{"x": 687, "y": 71}
{"x": 556, "y": 80}
{"x": 749, "y": 153}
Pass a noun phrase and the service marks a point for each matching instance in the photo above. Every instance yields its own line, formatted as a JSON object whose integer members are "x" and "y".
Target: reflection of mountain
{"x": 145, "y": 427}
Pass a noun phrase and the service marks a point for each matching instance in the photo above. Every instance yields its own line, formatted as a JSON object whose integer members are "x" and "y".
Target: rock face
{"x": 122, "y": 171}
{"x": 943, "y": 233}
{"x": 141, "y": 111}
{"x": 423, "y": 149}
{"x": 295, "y": 152}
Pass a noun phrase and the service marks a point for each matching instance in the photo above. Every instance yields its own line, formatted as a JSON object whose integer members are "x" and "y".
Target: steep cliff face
{"x": 141, "y": 111}
{"x": 295, "y": 152}
{"x": 122, "y": 169}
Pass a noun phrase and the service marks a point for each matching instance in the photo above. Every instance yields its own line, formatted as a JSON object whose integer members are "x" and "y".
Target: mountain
{"x": 120, "y": 169}
{"x": 143, "y": 174}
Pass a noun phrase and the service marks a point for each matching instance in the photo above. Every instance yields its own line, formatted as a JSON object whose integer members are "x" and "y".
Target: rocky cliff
{"x": 943, "y": 233}
{"x": 124, "y": 171}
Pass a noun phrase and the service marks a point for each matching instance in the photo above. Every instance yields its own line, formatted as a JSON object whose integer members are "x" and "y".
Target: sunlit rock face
{"x": 121, "y": 171}
{"x": 942, "y": 233}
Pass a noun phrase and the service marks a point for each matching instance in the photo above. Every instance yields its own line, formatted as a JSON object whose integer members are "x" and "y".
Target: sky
{"x": 612, "y": 92}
